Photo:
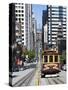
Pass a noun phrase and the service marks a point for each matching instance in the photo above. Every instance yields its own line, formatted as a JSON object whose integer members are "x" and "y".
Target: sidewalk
{"x": 18, "y": 75}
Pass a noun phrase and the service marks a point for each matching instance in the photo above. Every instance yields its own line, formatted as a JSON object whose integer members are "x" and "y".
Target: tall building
{"x": 56, "y": 14}
{"x": 23, "y": 13}
{"x": 45, "y": 36}
{"x": 34, "y": 30}
{"x": 12, "y": 24}
{"x": 11, "y": 34}
{"x": 28, "y": 24}
{"x": 39, "y": 40}
{"x": 60, "y": 40}
{"x": 44, "y": 20}
{"x": 53, "y": 15}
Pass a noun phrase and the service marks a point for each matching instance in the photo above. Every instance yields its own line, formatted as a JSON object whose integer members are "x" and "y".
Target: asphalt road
{"x": 54, "y": 79}
{"x": 49, "y": 79}
{"x": 33, "y": 78}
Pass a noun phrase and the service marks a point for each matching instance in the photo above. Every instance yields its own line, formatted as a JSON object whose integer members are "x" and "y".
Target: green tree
{"x": 31, "y": 54}
{"x": 63, "y": 57}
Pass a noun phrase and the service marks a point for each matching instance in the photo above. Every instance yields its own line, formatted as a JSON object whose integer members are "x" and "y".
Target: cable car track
{"x": 25, "y": 80}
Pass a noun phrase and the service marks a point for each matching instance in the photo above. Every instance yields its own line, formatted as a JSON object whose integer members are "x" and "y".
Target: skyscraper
{"x": 34, "y": 30}
{"x": 44, "y": 20}
{"x": 52, "y": 17}
{"x": 22, "y": 24}
{"x": 56, "y": 14}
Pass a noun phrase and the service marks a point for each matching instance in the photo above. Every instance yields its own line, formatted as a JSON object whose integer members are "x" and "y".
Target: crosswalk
{"x": 52, "y": 81}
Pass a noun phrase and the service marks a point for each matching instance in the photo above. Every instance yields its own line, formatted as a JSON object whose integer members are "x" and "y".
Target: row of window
{"x": 19, "y": 7}
{"x": 57, "y": 24}
{"x": 55, "y": 27}
{"x": 55, "y": 31}
{"x": 20, "y": 15}
{"x": 20, "y": 11}
{"x": 54, "y": 37}
{"x": 62, "y": 14}
{"x": 50, "y": 58}
{"x": 19, "y": 19}
{"x": 19, "y": 3}
{"x": 57, "y": 17}
{"x": 55, "y": 20}
{"x": 54, "y": 23}
{"x": 60, "y": 11}
{"x": 53, "y": 42}
{"x": 56, "y": 7}
{"x": 56, "y": 12}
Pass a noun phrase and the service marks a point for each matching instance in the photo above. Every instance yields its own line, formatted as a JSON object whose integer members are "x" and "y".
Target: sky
{"x": 37, "y": 10}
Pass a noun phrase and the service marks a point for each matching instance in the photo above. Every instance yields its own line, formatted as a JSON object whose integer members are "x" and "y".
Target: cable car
{"x": 51, "y": 62}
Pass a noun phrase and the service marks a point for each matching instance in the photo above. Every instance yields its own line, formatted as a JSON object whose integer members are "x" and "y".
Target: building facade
{"x": 23, "y": 15}
{"x": 39, "y": 40}
{"x": 45, "y": 36}
{"x": 54, "y": 15}
{"x": 44, "y": 20}
{"x": 34, "y": 31}
{"x": 60, "y": 40}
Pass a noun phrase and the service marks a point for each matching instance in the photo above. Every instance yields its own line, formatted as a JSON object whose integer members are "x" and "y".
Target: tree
{"x": 31, "y": 54}
{"x": 63, "y": 57}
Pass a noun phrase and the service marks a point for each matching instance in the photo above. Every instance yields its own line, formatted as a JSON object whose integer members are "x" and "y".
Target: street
{"x": 60, "y": 79}
{"x": 52, "y": 79}
{"x": 32, "y": 77}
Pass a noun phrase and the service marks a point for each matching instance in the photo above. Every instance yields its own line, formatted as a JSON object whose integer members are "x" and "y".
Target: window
{"x": 22, "y": 19}
{"x": 22, "y": 7}
{"x": 45, "y": 58}
{"x": 51, "y": 59}
{"x": 22, "y": 38}
{"x": 56, "y": 58}
{"x": 16, "y": 14}
{"x": 19, "y": 19}
{"x": 19, "y": 15}
{"x": 19, "y": 11}
{"x": 22, "y": 15}
{"x": 16, "y": 10}
{"x": 22, "y": 11}
{"x": 16, "y": 19}
{"x": 22, "y": 22}
{"x": 22, "y": 34}
{"x": 22, "y": 42}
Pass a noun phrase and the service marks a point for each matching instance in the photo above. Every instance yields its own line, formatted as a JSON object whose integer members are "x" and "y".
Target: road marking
{"x": 37, "y": 78}
{"x": 38, "y": 73}
{"x": 56, "y": 82}
{"x": 60, "y": 81}
{"x": 49, "y": 81}
{"x": 52, "y": 81}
